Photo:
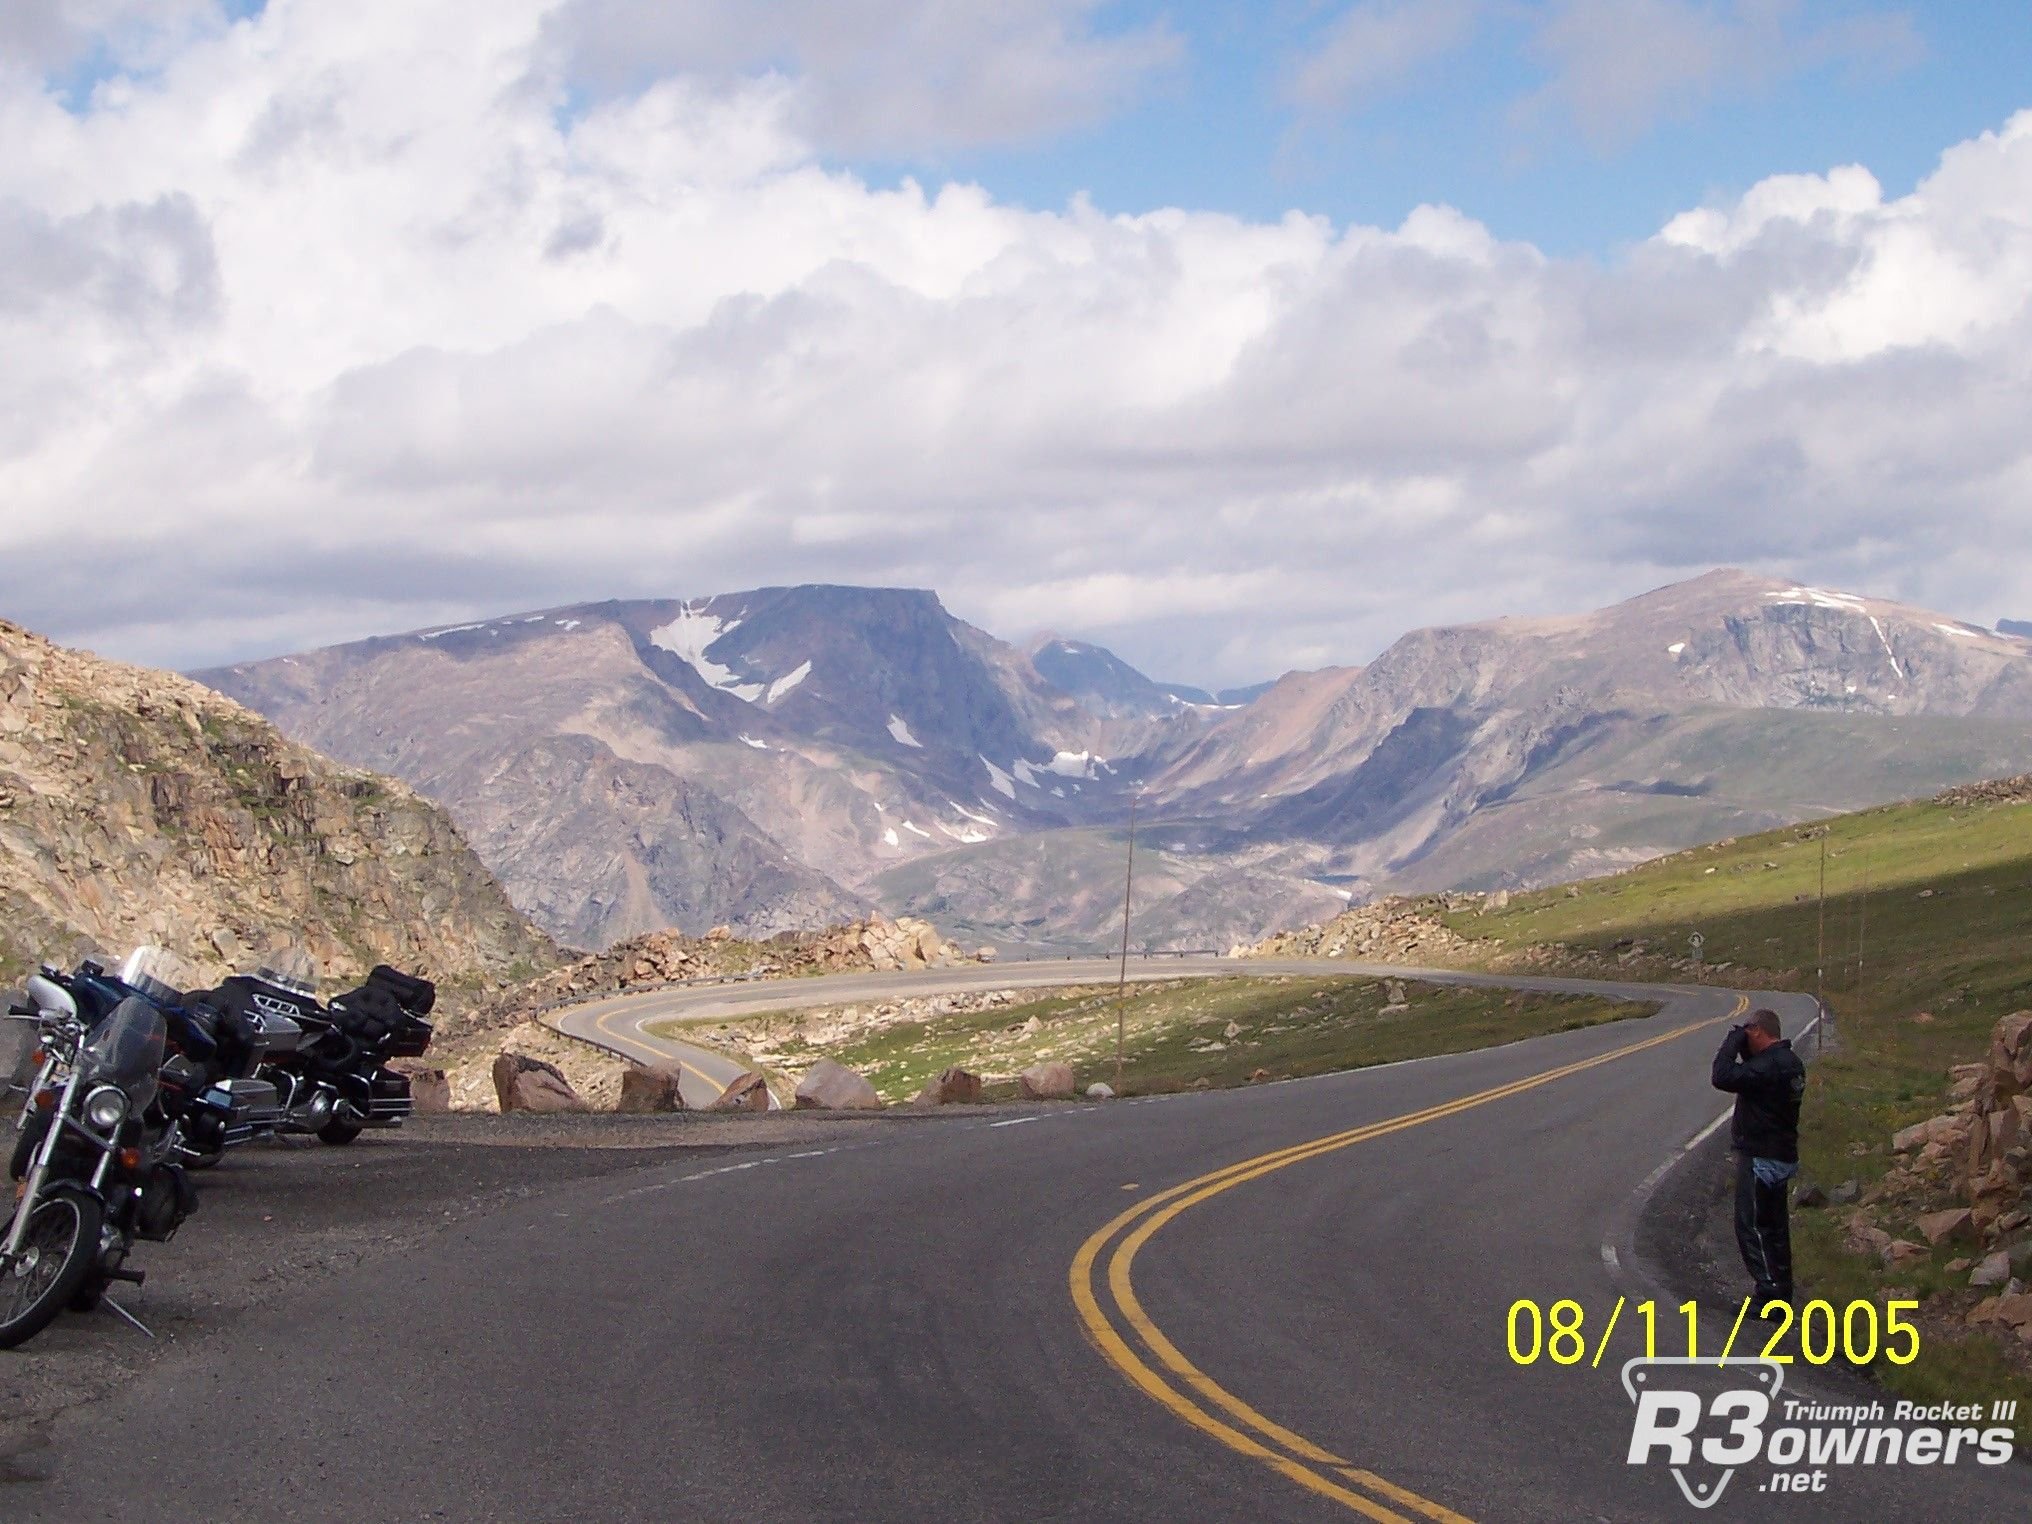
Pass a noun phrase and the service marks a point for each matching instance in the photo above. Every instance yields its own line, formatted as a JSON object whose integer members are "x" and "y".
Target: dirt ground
{"x": 275, "y": 1216}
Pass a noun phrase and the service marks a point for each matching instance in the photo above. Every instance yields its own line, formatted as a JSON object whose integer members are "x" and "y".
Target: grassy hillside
{"x": 1927, "y": 941}
{"x": 1179, "y": 1034}
{"x": 1657, "y": 782}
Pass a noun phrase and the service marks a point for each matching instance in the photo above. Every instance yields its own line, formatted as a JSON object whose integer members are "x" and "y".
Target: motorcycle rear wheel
{"x": 339, "y": 1134}
{"x": 59, "y": 1252}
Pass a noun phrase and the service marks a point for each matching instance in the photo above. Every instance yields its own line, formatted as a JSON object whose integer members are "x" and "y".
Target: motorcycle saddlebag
{"x": 167, "y": 1198}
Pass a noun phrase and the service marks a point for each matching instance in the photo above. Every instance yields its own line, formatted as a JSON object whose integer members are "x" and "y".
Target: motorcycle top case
{"x": 378, "y": 1014}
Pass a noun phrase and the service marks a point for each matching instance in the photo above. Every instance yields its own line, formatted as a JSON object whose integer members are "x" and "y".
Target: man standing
{"x": 1767, "y": 1079}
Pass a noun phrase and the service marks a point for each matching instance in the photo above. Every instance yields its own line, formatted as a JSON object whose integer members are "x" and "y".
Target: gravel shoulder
{"x": 276, "y": 1218}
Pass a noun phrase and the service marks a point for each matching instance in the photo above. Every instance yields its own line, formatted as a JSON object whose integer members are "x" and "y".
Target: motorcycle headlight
{"x": 106, "y": 1108}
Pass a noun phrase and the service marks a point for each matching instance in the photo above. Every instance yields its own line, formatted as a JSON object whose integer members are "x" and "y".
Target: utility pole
{"x": 1122, "y": 983}
{"x": 1820, "y": 944}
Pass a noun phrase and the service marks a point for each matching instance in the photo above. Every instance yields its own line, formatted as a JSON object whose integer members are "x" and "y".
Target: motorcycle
{"x": 327, "y": 1068}
{"x": 208, "y": 1073}
{"x": 95, "y": 1155}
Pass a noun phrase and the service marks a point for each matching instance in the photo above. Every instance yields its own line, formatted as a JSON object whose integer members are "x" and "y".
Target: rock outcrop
{"x": 1394, "y": 930}
{"x": 1978, "y": 1155}
{"x": 2016, "y": 790}
{"x": 138, "y": 806}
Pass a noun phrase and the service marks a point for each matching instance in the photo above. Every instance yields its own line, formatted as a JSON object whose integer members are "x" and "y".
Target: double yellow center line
{"x": 1176, "y": 1383}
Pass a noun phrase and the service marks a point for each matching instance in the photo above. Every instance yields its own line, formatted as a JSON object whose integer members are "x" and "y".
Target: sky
{"x": 1236, "y": 337}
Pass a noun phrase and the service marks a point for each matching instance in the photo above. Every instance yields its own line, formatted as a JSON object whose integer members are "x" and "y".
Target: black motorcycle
{"x": 95, "y": 1152}
{"x": 325, "y": 1070}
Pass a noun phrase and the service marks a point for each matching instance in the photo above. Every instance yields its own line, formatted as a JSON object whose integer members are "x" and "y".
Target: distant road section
{"x": 621, "y": 1023}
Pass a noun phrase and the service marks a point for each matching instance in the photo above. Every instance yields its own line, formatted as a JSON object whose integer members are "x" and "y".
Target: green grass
{"x": 1176, "y": 1033}
{"x": 1928, "y": 911}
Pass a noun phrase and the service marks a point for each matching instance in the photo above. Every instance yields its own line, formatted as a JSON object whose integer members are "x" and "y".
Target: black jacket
{"x": 1767, "y": 1088}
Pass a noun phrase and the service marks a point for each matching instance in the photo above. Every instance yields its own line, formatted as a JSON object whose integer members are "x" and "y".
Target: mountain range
{"x": 789, "y": 756}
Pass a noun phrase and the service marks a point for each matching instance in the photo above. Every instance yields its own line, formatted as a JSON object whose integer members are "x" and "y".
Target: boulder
{"x": 1046, "y": 1082}
{"x": 953, "y": 1087}
{"x": 1995, "y": 1270}
{"x": 1950, "y": 1226}
{"x": 748, "y": 1092}
{"x": 645, "y": 1090}
{"x": 430, "y": 1092}
{"x": 834, "y": 1087}
{"x": 1902, "y": 1252}
{"x": 1809, "y": 1195}
{"x": 1865, "y": 1237}
{"x": 1845, "y": 1194}
{"x": 1100, "y": 1090}
{"x": 522, "y": 1083}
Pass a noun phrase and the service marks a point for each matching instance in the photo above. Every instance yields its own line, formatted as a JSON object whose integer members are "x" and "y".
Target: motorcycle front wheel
{"x": 57, "y": 1254}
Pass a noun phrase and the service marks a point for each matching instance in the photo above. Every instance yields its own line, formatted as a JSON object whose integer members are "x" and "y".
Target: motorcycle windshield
{"x": 126, "y": 1049}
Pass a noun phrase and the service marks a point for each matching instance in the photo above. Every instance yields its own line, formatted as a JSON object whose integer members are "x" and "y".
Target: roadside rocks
{"x": 430, "y": 1091}
{"x": 2007, "y": 1312}
{"x": 648, "y": 1091}
{"x": 1995, "y": 1270}
{"x": 1046, "y": 1082}
{"x": 953, "y": 1087}
{"x": 748, "y": 1092}
{"x": 830, "y": 1086}
{"x": 1100, "y": 1090}
{"x": 522, "y": 1083}
{"x": 1953, "y": 1225}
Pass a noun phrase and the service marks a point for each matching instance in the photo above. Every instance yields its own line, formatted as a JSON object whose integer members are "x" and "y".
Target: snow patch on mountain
{"x": 999, "y": 780}
{"x": 916, "y": 830}
{"x": 1820, "y": 598}
{"x": 789, "y": 680}
{"x": 902, "y": 733}
{"x": 690, "y": 635}
{"x": 748, "y": 740}
{"x": 890, "y": 836}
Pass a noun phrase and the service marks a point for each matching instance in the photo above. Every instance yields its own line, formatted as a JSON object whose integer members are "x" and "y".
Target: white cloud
{"x": 1618, "y": 66}
{"x": 1375, "y": 46}
{"x": 880, "y": 76}
{"x": 336, "y": 323}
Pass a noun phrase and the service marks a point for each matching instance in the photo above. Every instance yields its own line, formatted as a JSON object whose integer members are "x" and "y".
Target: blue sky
{"x": 1219, "y": 130}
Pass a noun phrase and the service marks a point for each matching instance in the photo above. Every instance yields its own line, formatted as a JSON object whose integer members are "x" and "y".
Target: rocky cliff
{"x": 137, "y": 806}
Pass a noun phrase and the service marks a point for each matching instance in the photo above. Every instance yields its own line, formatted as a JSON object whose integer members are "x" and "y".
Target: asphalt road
{"x": 1285, "y": 1302}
